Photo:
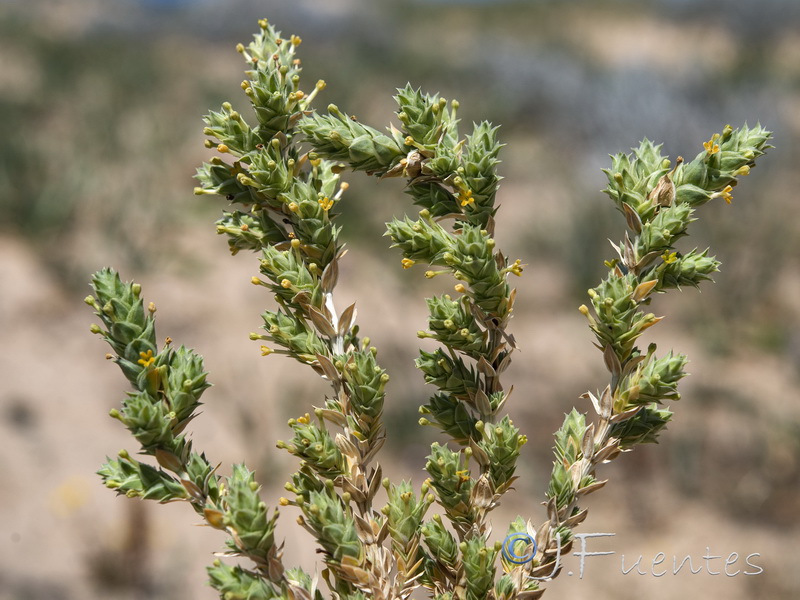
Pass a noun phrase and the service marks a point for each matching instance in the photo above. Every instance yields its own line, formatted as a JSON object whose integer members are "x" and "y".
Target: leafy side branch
{"x": 658, "y": 201}
{"x": 280, "y": 175}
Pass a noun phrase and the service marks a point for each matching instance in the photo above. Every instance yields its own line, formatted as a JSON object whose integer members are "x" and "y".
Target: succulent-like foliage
{"x": 281, "y": 171}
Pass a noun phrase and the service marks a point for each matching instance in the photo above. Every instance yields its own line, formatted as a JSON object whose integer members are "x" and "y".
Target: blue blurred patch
{"x": 167, "y": 3}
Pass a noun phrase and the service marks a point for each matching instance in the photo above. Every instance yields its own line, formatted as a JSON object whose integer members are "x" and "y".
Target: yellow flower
{"x": 326, "y": 203}
{"x": 146, "y": 359}
{"x": 711, "y": 146}
{"x": 669, "y": 257}
{"x": 407, "y": 263}
{"x": 465, "y": 196}
{"x": 725, "y": 194}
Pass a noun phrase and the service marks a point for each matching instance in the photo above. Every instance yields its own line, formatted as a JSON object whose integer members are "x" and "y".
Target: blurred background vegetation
{"x": 100, "y": 109}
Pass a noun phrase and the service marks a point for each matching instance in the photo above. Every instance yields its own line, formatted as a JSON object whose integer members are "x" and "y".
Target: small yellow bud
{"x": 151, "y": 307}
{"x": 286, "y": 284}
{"x": 743, "y": 170}
{"x": 245, "y": 227}
{"x": 293, "y": 206}
{"x": 295, "y": 243}
{"x": 266, "y": 350}
{"x": 240, "y": 48}
{"x": 95, "y": 328}
{"x": 321, "y": 85}
{"x": 344, "y": 185}
{"x": 726, "y": 132}
{"x": 222, "y": 148}
{"x": 255, "y": 280}
{"x": 407, "y": 263}
{"x": 459, "y": 287}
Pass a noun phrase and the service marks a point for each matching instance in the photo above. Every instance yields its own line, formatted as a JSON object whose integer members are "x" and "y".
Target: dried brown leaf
{"x": 643, "y": 290}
